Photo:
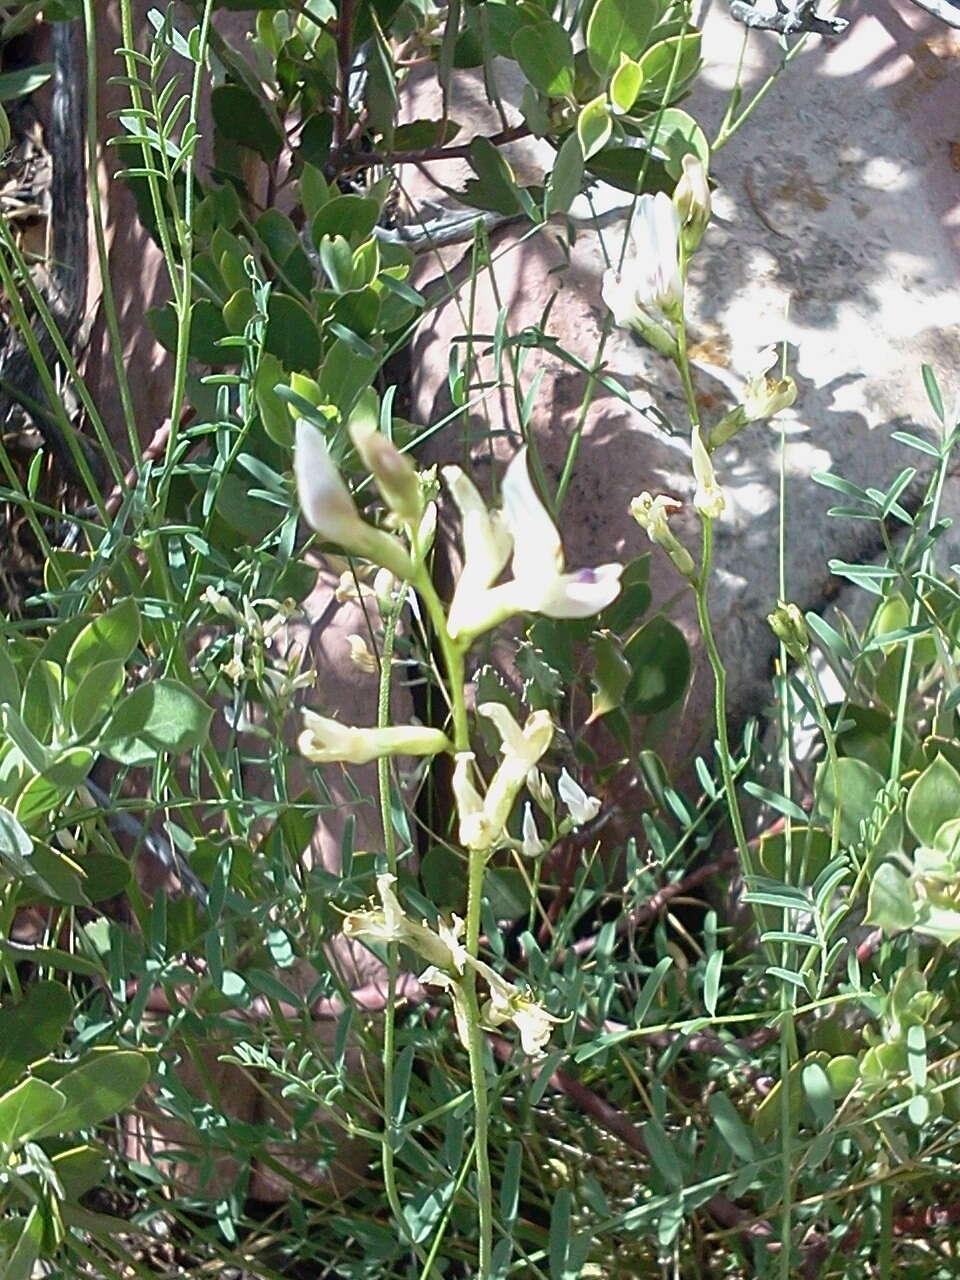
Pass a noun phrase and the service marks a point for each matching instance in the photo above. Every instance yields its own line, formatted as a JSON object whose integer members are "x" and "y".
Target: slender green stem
{"x": 730, "y": 126}
{"x": 683, "y": 367}
{"x": 393, "y": 964}
{"x": 453, "y": 656}
{"x": 12, "y": 287}
{"x": 788, "y": 1039}
{"x": 476, "y": 1052}
{"x": 720, "y": 697}
{"x": 905, "y": 682}
{"x": 184, "y": 227}
{"x": 589, "y": 391}
{"x": 701, "y": 588}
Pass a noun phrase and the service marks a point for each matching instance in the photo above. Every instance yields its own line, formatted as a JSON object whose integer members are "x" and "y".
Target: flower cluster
{"x": 447, "y": 961}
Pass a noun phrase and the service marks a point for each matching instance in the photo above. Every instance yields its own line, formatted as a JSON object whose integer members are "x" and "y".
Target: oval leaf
{"x": 163, "y": 716}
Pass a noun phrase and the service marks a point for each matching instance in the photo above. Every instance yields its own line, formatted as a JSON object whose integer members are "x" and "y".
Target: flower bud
{"x": 532, "y": 846}
{"x": 691, "y": 198}
{"x": 789, "y": 626}
{"x": 395, "y": 474}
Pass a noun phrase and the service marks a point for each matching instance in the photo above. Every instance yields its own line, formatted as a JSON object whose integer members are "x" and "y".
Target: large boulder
{"x": 833, "y": 232}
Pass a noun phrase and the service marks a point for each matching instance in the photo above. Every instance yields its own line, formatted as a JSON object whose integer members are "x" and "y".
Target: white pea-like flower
{"x": 649, "y": 287}
{"x": 581, "y": 807}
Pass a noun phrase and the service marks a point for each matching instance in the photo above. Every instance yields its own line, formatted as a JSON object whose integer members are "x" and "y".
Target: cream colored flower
{"x": 650, "y": 286}
{"x": 327, "y": 741}
{"x": 532, "y": 846}
{"x": 330, "y": 510}
{"x": 486, "y": 549}
{"x": 361, "y": 656}
{"x": 483, "y": 817}
{"x": 442, "y": 950}
{"x": 651, "y": 514}
{"x": 507, "y": 1003}
{"x": 763, "y": 396}
{"x": 539, "y": 583}
{"x": 708, "y": 497}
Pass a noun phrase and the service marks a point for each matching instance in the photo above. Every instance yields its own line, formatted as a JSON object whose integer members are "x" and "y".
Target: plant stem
{"x": 701, "y": 587}
{"x": 720, "y": 697}
{"x": 476, "y": 1045}
{"x": 453, "y": 655}
{"x": 390, "y": 853}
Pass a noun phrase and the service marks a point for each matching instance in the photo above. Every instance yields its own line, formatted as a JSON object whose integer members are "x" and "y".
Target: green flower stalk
{"x": 522, "y": 536}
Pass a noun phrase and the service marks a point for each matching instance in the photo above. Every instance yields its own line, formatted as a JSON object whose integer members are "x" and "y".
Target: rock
{"x": 828, "y": 235}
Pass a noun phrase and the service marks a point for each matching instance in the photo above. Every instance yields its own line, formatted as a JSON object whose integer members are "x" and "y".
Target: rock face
{"x": 835, "y": 231}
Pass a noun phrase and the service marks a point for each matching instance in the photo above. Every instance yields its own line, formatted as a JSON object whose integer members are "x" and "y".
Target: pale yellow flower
{"x": 763, "y": 396}
{"x": 327, "y": 741}
{"x": 708, "y": 497}
{"x": 651, "y": 514}
{"x": 650, "y": 286}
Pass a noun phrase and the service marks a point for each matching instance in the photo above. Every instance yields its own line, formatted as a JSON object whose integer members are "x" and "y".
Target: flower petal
{"x": 581, "y": 594}
{"x": 324, "y": 498}
{"x": 536, "y": 542}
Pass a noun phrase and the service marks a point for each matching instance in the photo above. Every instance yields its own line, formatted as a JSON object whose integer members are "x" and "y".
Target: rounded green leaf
{"x": 860, "y": 785}
{"x": 843, "y": 1071}
{"x": 617, "y": 29}
{"x": 95, "y": 695}
{"x": 97, "y": 1089}
{"x": 566, "y": 179}
{"x": 890, "y": 903}
{"x": 675, "y": 134}
{"x": 162, "y": 716}
{"x": 933, "y": 800}
{"x": 33, "y": 1027}
{"x": 352, "y": 217}
{"x": 27, "y": 1109}
{"x": 625, "y": 85}
{"x": 660, "y": 659}
{"x": 112, "y": 636}
{"x": 657, "y": 65}
{"x": 292, "y": 335}
{"x": 594, "y": 127}
{"x": 244, "y": 119}
{"x": 274, "y": 413}
{"x": 612, "y": 674}
{"x": 545, "y": 55}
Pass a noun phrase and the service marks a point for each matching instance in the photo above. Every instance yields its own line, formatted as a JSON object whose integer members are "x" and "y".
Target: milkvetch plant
{"x": 522, "y": 541}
